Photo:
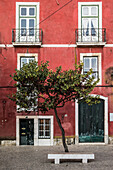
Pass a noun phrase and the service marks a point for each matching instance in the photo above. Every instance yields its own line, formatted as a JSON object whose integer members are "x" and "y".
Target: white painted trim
{"x": 18, "y": 128}
{"x": 26, "y": 3}
{"x": 59, "y": 45}
{"x": 47, "y": 142}
{"x": 99, "y": 63}
{"x": 89, "y": 3}
{"x": 54, "y": 45}
{"x": 105, "y": 120}
{"x": 41, "y": 142}
{"x": 25, "y": 55}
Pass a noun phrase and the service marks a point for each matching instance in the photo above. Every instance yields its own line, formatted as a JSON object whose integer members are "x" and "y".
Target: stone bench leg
{"x": 57, "y": 161}
{"x": 84, "y": 160}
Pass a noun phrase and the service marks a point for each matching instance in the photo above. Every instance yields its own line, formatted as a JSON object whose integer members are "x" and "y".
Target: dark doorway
{"x": 26, "y": 131}
{"x": 91, "y": 122}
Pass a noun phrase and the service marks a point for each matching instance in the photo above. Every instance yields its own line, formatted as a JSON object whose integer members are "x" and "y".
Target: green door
{"x": 26, "y": 132}
{"x": 91, "y": 122}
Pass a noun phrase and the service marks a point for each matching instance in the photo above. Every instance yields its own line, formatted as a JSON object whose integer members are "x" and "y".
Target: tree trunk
{"x": 62, "y": 130}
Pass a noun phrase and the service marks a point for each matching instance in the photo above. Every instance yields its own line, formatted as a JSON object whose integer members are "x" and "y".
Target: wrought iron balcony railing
{"x": 90, "y": 35}
{"x": 27, "y": 35}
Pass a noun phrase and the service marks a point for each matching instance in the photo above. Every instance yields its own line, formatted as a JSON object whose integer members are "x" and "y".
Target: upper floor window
{"x": 91, "y": 63}
{"x": 90, "y": 22}
{"x": 27, "y": 24}
{"x": 26, "y": 60}
{"x": 27, "y": 21}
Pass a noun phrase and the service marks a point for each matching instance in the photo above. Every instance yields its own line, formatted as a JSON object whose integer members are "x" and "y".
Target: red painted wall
{"x": 59, "y": 28}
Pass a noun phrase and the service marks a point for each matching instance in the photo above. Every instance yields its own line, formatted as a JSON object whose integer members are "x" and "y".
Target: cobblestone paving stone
{"x": 35, "y": 158}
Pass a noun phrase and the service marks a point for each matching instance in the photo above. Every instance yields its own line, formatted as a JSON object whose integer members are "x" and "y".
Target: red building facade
{"x": 61, "y": 32}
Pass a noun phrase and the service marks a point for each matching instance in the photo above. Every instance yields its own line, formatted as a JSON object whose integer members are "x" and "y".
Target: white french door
{"x": 90, "y": 23}
{"x": 27, "y": 31}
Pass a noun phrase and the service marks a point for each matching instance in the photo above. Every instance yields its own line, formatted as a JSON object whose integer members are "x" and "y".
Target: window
{"x": 25, "y": 60}
{"x": 44, "y": 129}
{"x": 90, "y": 21}
{"x": 92, "y": 60}
{"x": 91, "y": 63}
{"x": 27, "y": 22}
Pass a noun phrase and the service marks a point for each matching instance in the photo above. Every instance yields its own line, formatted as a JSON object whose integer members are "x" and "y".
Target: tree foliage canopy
{"x": 52, "y": 88}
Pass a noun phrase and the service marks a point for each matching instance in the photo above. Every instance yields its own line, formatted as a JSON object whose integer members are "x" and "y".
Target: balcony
{"x": 90, "y": 37}
{"x": 27, "y": 37}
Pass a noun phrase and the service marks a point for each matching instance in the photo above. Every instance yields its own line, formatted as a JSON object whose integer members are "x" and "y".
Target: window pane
{"x": 47, "y": 121}
{"x": 47, "y": 134}
{"x": 94, "y": 64}
{"x": 23, "y": 11}
{"x": 31, "y": 27}
{"x": 85, "y": 10}
{"x": 30, "y": 59}
{"x": 41, "y": 121}
{"x": 23, "y": 23}
{"x": 41, "y": 134}
{"x": 95, "y": 75}
{"x": 31, "y": 11}
{"x": 94, "y": 10}
{"x": 41, "y": 127}
{"x": 23, "y": 61}
{"x": 47, "y": 127}
{"x": 23, "y": 27}
{"x": 86, "y": 64}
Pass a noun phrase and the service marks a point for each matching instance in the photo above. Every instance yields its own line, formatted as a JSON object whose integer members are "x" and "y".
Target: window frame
{"x": 90, "y": 58}
{"x": 90, "y": 38}
{"x": 82, "y": 55}
{"x": 80, "y": 4}
{"x": 44, "y": 129}
{"x": 27, "y": 38}
{"x": 26, "y": 55}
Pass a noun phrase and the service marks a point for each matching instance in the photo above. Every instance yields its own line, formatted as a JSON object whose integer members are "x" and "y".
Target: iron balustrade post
{"x": 12, "y": 35}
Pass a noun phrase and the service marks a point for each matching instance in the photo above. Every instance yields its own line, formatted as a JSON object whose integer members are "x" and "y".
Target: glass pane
{"x": 23, "y": 27}
{"x": 30, "y": 59}
{"x": 94, "y": 64}
{"x": 31, "y": 11}
{"x": 41, "y": 127}
{"x": 47, "y": 121}
{"x": 41, "y": 121}
{"x": 23, "y": 11}
{"x": 85, "y": 27}
{"x": 47, "y": 133}
{"x": 86, "y": 64}
{"x": 41, "y": 133}
{"x": 94, "y": 11}
{"x": 85, "y": 10}
{"x": 23, "y": 23}
{"x": 31, "y": 27}
{"x": 47, "y": 127}
{"x": 95, "y": 75}
{"x": 23, "y": 61}
{"x": 94, "y": 27}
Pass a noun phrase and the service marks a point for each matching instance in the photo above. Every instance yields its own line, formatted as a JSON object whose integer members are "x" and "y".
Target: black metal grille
{"x": 90, "y": 35}
{"x": 27, "y": 35}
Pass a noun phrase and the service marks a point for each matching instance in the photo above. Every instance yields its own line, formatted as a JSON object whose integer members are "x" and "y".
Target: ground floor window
{"x": 44, "y": 128}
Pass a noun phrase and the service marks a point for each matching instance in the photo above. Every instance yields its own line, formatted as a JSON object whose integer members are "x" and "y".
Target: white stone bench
{"x": 57, "y": 157}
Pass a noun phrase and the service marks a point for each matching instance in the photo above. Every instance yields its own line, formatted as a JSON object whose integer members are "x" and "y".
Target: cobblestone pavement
{"x": 35, "y": 158}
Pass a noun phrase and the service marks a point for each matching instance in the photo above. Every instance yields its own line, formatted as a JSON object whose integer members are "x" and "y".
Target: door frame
{"x": 37, "y": 142}
{"x": 105, "y": 121}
